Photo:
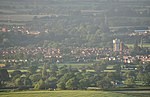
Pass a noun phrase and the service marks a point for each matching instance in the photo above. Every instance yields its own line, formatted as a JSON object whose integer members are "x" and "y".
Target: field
{"x": 63, "y": 94}
{"x": 144, "y": 45}
{"x": 75, "y": 65}
{"x": 19, "y": 17}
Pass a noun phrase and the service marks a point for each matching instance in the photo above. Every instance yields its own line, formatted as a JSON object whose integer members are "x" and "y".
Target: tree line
{"x": 67, "y": 77}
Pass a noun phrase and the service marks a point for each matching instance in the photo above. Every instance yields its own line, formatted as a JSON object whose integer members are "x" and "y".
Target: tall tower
{"x": 117, "y": 45}
{"x": 141, "y": 42}
{"x": 105, "y": 25}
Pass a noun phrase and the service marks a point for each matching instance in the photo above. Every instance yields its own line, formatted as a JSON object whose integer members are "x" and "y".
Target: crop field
{"x": 63, "y": 94}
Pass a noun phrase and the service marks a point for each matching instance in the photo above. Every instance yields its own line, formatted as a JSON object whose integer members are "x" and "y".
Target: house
{"x": 141, "y": 32}
{"x": 128, "y": 59}
{"x": 2, "y": 65}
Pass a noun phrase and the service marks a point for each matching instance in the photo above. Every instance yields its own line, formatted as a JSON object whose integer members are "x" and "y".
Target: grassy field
{"x": 141, "y": 95}
{"x": 10, "y": 71}
{"x": 75, "y": 65}
{"x": 144, "y": 45}
{"x": 63, "y": 94}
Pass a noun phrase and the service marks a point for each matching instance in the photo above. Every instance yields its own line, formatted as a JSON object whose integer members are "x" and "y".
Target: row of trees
{"x": 60, "y": 34}
{"x": 61, "y": 78}
{"x": 67, "y": 77}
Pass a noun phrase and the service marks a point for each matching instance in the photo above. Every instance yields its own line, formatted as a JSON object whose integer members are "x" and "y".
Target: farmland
{"x": 144, "y": 45}
{"x": 64, "y": 94}
{"x": 74, "y": 45}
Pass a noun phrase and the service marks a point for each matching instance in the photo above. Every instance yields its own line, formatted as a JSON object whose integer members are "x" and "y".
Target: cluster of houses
{"x": 33, "y": 53}
{"x": 23, "y": 54}
{"x": 140, "y": 32}
{"x": 21, "y": 29}
{"x": 131, "y": 59}
{"x": 41, "y": 53}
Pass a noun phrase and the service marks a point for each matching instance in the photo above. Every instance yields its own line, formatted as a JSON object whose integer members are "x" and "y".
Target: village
{"x": 119, "y": 53}
{"x": 75, "y": 48}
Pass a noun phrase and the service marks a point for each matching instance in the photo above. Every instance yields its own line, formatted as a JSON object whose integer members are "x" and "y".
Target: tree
{"x": 113, "y": 76}
{"x": 147, "y": 68}
{"x": 16, "y": 66}
{"x": 99, "y": 67}
{"x": 27, "y": 82}
{"x": 32, "y": 69}
{"x": 18, "y": 82}
{"x": 117, "y": 68}
{"x": 53, "y": 70}
{"x": 83, "y": 84}
{"x": 23, "y": 81}
{"x": 71, "y": 84}
{"x": 4, "y": 76}
{"x": 44, "y": 71}
{"x": 136, "y": 49}
{"x": 140, "y": 76}
{"x": 40, "y": 85}
{"x": 1, "y": 39}
{"x": 16, "y": 73}
{"x": 129, "y": 74}
{"x": 104, "y": 84}
{"x": 51, "y": 82}
{"x": 129, "y": 82}
{"x": 140, "y": 68}
{"x": 61, "y": 85}
{"x": 144, "y": 77}
{"x": 66, "y": 77}
{"x": 83, "y": 69}
{"x": 35, "y": 77}
{"x": 63, "y": 70}
{"x": 137, "y": 62}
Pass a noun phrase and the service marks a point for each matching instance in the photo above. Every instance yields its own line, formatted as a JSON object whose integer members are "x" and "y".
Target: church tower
{"x": 105, "y": 25}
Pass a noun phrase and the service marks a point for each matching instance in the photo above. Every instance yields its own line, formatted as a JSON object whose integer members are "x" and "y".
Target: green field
{"x": 63, "y": 94}
{"x": 144, "y": 45}
{"x": 142, "y": 95}
{"x": 10, "y": 71}
{"x": 75, "y": 65}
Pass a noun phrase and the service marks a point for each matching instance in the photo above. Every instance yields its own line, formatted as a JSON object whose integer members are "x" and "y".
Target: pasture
{"x": 66, "y": 93}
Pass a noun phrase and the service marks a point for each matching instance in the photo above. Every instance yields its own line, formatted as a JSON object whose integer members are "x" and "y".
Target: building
{"x": 2, "y": 65}
{"x": 117, "y": 45}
